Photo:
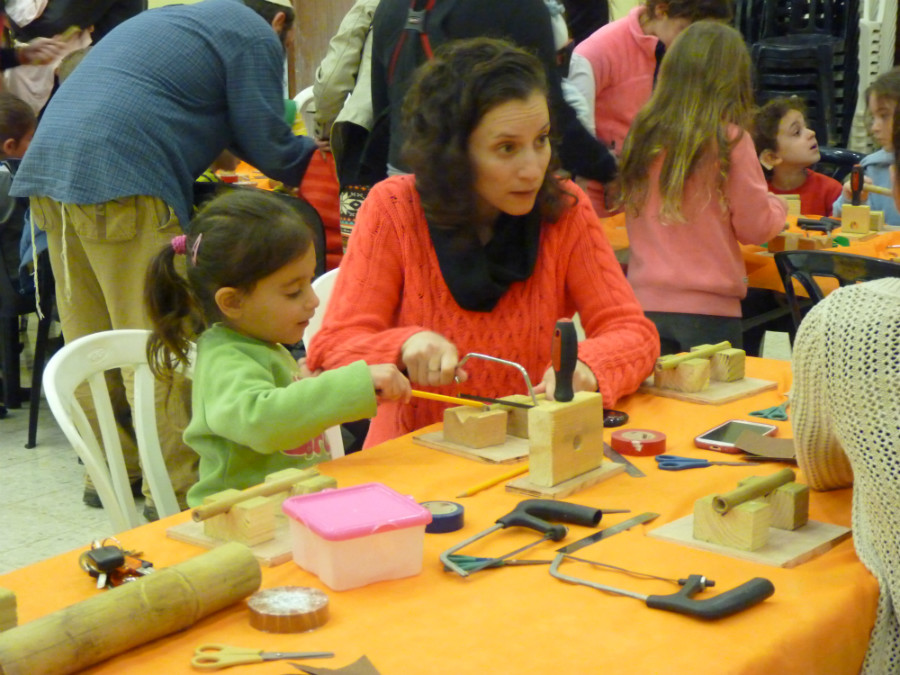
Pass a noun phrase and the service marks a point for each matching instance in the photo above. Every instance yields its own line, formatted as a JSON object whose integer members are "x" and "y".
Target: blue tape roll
{"x": 445, "y": 517}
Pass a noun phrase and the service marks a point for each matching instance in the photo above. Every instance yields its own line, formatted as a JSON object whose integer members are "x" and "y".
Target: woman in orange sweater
{"x": 482, "y": 250}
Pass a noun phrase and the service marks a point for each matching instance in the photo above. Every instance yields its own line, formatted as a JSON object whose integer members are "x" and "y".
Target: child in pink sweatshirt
{"x": 694, "y": 190}
{"x": 624, "y": 57}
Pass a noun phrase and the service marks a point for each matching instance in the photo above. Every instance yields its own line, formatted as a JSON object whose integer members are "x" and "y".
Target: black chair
{"x": 14, "y": 305}
{"x": 807, "y": 266}
{"x": 794, "y": 26}
{"x": 837, "y": 162}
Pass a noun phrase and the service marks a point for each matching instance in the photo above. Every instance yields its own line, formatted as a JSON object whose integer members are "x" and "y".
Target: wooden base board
{"x": 524, "y": 486}
{"x": 269, "y": 553}
{"x": 785, "y": 548}
{"x": 717, "y": 392}
{"x": 513, "y": 450}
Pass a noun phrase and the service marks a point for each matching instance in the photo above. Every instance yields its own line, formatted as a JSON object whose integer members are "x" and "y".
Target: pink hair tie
{"x": 179, "y": 244}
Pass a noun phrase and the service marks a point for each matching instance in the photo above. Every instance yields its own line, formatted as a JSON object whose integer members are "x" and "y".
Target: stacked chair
{"x": 806, "y": 48}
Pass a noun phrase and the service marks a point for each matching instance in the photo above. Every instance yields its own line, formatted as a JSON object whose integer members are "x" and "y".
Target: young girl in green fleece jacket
{"x": 247, "y": 291}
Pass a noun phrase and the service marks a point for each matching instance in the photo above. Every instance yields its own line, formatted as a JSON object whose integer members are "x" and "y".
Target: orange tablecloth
{"x": 761, "y": 271}
{"x": 760, "y": 264}
{"x": 519, "y": 619}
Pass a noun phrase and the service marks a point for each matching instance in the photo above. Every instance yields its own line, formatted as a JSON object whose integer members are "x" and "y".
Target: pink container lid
{"x": 358, "y": 511}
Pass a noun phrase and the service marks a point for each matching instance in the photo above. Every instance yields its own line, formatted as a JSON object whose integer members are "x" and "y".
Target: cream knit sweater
{"x": 846, "y": 409}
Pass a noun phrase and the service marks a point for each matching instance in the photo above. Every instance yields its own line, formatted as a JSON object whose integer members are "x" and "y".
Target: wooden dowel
{"x": 878, "y": 190}
{"x": 672, "y": 360}
{"x": 752, "y": 488}
{"x": 262, "y": 490}
{"x": 447, "y": 399}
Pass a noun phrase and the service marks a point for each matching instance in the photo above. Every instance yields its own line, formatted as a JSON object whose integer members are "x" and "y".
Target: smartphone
{"x": 723, "y": 437}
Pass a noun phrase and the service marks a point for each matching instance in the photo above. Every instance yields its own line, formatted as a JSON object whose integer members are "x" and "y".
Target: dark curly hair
{"x": 448, "y": 98}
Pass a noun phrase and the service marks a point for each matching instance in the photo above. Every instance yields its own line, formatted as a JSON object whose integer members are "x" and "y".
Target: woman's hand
{"x": 582, "y": 380}
{"x": 430, "y": 359}
{"x": 390, "y": 385}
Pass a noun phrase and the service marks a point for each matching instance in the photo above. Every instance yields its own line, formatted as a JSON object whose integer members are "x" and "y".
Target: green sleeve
{"x": 250, "y": 399}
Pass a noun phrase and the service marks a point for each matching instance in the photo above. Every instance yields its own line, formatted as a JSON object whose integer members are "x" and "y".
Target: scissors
{"x": 676, "y": 463}
{"x": 216, "y": 656}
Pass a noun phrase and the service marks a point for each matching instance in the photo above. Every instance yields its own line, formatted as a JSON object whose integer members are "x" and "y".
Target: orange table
{"x": 519, "y": 619}
{"x": 761, "y": 271}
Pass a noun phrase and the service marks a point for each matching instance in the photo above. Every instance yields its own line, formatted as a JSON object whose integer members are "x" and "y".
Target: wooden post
{"x": 566, "y": 439}
{"x": 8, "y": 616}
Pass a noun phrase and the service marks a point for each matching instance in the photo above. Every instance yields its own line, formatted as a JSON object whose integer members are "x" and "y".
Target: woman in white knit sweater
{"x": 846, "y": 410}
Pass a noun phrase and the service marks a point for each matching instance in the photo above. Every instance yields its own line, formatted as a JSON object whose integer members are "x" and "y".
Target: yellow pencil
{"x": 447, "y": 399}
{"x": 494, "y": 481}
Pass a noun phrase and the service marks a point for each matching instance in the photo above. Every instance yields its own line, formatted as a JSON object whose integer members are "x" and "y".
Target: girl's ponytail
{"x": 173, "y": 312}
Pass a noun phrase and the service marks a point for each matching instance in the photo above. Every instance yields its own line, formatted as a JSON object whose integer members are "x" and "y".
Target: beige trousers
{"x": 99, "y": 254}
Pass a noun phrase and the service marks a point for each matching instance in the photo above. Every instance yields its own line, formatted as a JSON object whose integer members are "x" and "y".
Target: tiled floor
{"x": 41, "y": 509}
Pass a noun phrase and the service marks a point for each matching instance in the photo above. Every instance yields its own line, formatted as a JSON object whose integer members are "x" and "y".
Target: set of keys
{"x": 112, "y": 565}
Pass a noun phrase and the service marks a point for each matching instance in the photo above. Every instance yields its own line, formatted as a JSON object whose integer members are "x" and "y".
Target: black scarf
{"x": 478, "y": 275}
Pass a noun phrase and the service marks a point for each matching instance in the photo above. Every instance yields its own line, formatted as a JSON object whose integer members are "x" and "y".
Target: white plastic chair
{"x": 323, "y": 286}
{"x": 306, "y": 106}
{"x": 86, "y": 360}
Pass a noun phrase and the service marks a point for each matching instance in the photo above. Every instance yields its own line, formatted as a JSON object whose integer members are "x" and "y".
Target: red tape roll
{"x": 639, "y": 442}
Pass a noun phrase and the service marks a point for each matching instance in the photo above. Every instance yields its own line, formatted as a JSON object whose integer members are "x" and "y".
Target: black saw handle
{"x": 730, "y": 602}
{"x": 565, "y": 357}
{"x": 535, "y": 514}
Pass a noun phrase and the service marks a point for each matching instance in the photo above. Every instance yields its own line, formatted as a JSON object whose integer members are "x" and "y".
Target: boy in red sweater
{"x": 787, "y": 148}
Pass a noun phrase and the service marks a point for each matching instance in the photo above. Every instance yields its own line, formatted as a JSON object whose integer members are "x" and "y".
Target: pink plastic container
{"x": 350, "y": 537}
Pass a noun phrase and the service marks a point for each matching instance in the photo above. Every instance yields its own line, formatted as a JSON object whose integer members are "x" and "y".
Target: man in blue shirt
{"x": 111, "y": 168}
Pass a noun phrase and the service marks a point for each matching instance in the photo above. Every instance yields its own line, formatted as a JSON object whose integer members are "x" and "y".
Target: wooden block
{"x": 745, "y": 527}
{"x": 790, "y": 506}
{"x": 876, "y": 221}
{"x": 474, "y": 427}
{"x": 728, "y": 365}
{"x": 517, "y": 422}
{"x": 692, "y": 375}
{"x": 250, "y": 522}
{"x": 566, "y": 438}
{"x": 8, "y": 617}
{"x": 253, "y": 521}
{"x": 855, "y": 218}
{"x": 218, "y": 526}
{"x": 814, "y": 243}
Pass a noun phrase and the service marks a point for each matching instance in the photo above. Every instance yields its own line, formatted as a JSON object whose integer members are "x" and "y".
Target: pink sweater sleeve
{"x": 621, "y": 344}
{"x": 756, "y": 214}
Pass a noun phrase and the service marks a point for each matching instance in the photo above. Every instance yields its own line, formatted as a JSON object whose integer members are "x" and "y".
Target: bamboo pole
{"x": 130, "y": 615}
